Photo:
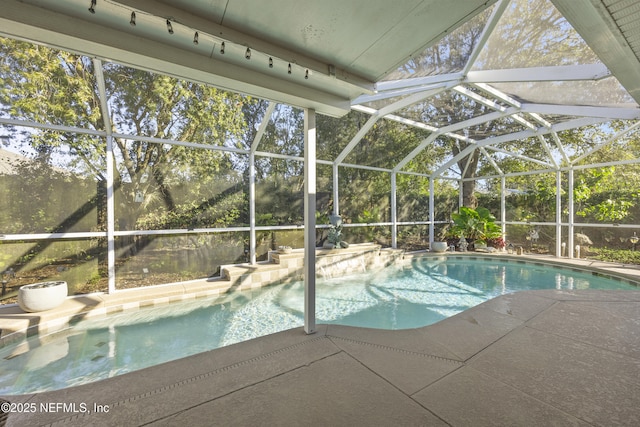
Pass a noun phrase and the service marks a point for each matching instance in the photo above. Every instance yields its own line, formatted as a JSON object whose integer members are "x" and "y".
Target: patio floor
{"x": 551, "y": 357}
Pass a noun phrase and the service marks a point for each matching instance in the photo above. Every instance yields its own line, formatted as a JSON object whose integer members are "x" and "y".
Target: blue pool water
{"x": 397, "y": 298}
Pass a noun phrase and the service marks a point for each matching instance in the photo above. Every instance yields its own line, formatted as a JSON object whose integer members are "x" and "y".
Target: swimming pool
{"x": 419, "y": 294}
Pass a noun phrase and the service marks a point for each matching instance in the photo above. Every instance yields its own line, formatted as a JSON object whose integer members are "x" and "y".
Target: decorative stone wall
{"x": 330, "y": 263}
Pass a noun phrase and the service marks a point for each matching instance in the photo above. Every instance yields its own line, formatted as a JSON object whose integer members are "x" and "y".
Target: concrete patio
{"x": 533, "y": 358}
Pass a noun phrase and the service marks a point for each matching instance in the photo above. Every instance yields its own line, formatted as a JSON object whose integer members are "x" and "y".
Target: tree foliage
{"x": 176, "y": 186}
{"x": 44, "y": 85}
{"x": 602, "y": 196}
{"x": 474, "y": 224}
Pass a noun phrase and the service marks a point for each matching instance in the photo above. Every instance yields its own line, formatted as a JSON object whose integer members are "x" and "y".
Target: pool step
{"x": 245, "y": 276}
{"x": 286, "y": 267}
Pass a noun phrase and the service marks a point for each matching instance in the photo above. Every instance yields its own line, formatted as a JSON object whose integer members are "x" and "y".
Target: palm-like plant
{"x": 474, "y": 224}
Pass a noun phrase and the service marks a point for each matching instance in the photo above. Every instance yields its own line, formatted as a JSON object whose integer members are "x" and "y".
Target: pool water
{"x": 421, "y": 294}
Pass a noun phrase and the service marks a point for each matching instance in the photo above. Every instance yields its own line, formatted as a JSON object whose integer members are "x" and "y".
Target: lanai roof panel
{"x": 601, "y": 93}
{"x": 533, "y": 34}
{"x": 449, "y": 55}
{"x": 444, "y": 109}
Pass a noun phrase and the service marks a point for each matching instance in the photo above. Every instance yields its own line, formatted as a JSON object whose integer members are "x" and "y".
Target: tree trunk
{"x": 468, "y": 194}
{"x": 468, "y": 166}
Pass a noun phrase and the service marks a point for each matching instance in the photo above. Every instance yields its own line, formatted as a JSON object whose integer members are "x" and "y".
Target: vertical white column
{"x": 460, "y": 195}
{"x": 503, "y": 205}
{"x": 252, "y": 208}
{"x": 336, "y": 191}
{"x": 394, "y": 212}
{"x": 111, "y": 223}
{"x": 110, "y": 172}
{"x": 558, "y": 214}
{"x": 310, "y": 221}
{"x": 570, "y": 248}
{"x": 252, "y": 181}
{"x": 432, "y": 216}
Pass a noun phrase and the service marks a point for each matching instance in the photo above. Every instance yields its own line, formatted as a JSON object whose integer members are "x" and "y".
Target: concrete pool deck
{"x": 551, "y": 357}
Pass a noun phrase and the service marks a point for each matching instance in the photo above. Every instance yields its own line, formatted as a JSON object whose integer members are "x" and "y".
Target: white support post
{"x": 570, "y": 239}
{"x": 431, "y": 213}
{"x": 252, "y": 181}
{"x": 503, "y": 205}
{"x": 111, "y": 223}
{"x": 110, "y": 165}
{"x": 558, "y": 214}
{"x": 336, "y": 191}
{"x": 394, "y": 212}
{"x": 460, "y": 194}
{"x": 310, "y": 221}
{"x": 252, "y": 208}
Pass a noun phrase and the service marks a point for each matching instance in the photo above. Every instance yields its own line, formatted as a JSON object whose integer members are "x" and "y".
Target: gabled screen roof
{"x": 484, "y": 73}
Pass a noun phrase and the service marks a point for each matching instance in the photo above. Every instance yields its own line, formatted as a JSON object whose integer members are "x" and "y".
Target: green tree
{"x": 48, "y": 86}
{"x": 604, "y": 195}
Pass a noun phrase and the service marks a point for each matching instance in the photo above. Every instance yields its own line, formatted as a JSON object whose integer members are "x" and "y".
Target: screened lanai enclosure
{"x": 150, "y": 142}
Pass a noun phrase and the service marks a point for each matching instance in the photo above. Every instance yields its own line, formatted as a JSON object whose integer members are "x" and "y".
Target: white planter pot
{"x": 439, "y": 246}
{"x": 42, "y": 296}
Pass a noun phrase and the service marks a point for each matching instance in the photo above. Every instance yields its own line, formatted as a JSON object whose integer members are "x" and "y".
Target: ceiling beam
{"x": 396, "y": 93}
{"x": 563, "y": 152}
{"x": 540, "y": 74}
{"x": 518, "y": 156}
{"x": 402, "y": 103}
{"x": 263, "y": 126}
{"x": 417, "y": 82}
{"x": 546, "y": 147}
{"x": 25, "y": 21}
{"x": 491, "y": 161}
{"x": 447, "y": 129}
{"x": 607, "y": 142}
{"x": 513, "y": 137}
{"x": 583, "y": 111}
{"x": 486, "y": 33}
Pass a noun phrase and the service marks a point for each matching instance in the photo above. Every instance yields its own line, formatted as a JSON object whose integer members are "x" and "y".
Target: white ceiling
{"x": 366, "y": 38}
{"x": 338, "y": 49}
{"x": 342, "y": 47}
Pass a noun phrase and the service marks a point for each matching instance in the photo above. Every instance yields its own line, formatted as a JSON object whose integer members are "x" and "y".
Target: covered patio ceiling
{"x": 342, "y": 47}
{"x": 535, "y": 68}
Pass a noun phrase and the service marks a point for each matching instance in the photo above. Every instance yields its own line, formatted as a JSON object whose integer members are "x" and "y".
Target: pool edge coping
{"x": 579, "y": 265}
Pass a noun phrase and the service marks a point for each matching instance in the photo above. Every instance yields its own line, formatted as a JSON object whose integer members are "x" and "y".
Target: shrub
{"x": 615, "y": 255}
{"x": 474, "y": 224}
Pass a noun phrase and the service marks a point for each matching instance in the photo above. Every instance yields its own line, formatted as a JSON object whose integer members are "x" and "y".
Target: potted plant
{"x": 439, "y": 246}
{"x": 480, "y": 244}
{"x": 497, "y": 242}
{"x": 334, "y": 236}
{"x": 42, "y": 296}
{"x": 475, "y": 225}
